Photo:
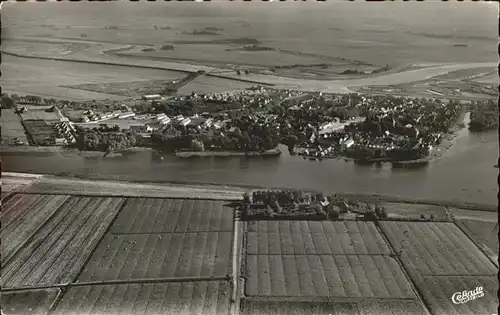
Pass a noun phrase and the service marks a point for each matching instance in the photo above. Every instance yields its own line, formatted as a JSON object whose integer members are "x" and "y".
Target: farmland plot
{"x": 182, "y": 298}
{"x": 438, "y": 291}
{"x": 150, "y": 215}
{"x": 314, "y": 237}
{"x": 438, "y": 249}
{"x": 32, "y": 302}
{"x": 153, "y": 256}
{"x": 262, "y": 307}
{"x": 485, "y": 233}
{"x": 342, "y": 276}
{"x": 57, "y": 250}
{"x": 11, "y": 127}
{"x": 41, "y": 131}
{"x": 22, "y": 216}
{"x": 407, "y": 209}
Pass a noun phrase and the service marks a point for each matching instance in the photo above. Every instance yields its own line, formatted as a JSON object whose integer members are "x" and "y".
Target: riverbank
{"x": 93, "y": 183}
{"x": 189, "y": 154}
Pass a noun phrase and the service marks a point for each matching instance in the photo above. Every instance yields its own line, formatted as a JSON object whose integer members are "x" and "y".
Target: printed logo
{"x": 466, "y": 296}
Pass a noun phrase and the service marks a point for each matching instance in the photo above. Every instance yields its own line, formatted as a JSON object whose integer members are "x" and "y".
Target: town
{"x": 246, "y": 122}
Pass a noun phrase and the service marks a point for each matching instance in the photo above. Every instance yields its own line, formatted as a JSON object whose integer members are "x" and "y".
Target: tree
{"x": 8, "y": 102}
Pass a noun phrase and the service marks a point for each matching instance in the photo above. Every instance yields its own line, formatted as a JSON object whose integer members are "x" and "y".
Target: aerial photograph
{"x": 249, "y": 158}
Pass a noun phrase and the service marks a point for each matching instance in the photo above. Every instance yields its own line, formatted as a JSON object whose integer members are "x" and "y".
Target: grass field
{"x": 341, "y": 276}
{"x": 415, "y": 210}
{"x": 138, "y": 88}
{"x": 314, "y": 238}
{"x": 11, "y": 127}
{"x": 31, "y": 302}
{"x": 141, "y": 215}
{"x": 182, "y": 298}
{"x": 438, "y": 249}
{"x": 59, "y": 248}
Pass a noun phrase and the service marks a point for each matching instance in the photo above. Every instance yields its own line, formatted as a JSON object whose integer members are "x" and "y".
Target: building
{"x": 154, "y": 97}
{"x": 61, "y": 141}
{"x": 127, "y": 114}
{"x": 185, "y": 121}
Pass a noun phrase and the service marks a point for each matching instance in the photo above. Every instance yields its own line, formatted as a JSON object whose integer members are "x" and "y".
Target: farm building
{"x": 154, "y": 97}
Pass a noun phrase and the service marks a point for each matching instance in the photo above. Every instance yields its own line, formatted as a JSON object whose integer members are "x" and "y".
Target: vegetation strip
{"x": 114, "y": 282}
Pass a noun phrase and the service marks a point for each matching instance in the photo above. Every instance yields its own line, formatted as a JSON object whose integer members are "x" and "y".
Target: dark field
{"x": 33, "y": 302}
{"x": 253, "y": 306}
{"x": 40, "y": 131}
{"x": 207, "y": 298}
{"x": 149, "y": 215}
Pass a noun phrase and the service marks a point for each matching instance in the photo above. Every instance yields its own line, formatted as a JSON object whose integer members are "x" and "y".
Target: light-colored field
{"x": 183, "y": 298}
{"x": 314, "y": 238}
{"x": 122, "y": 123}
{"x": 113, "y": 188}
{"x": 438, "y": 249}
{"x": 414, "y": 210}
{"x": 489, "y": 79}
{"x": 45, "y": 77}
{"x": 160, "y": 256}
{"x": 173, "y": 215}
{"x": 339, "y": 276}
{"x": 40, "y": 113}
{"x": 22, "y": 216}
{"x": 59, "y": 248}
{"x": 11, "y": 127}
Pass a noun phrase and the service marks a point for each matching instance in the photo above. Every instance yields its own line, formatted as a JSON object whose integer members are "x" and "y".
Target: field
{"x": 58, "y": 249}
{"x": 165, "y": 238}
{"x": 441, "y": 261}
{"x": 31, "y": 302}
{"x": 183, "y": 298}
{"x": 437, "y": 292}
{"x": 340, "y": 276}
{"x": 485, "y": 233}
{"x": 395, "y": 210}
{"x": 40, "y": 131}
{"x": 21, "y": 217}
{"x": 335, "y": 259}
{"x": 47, "y": 78}
{"x": 141, "y": 215}
{"x": 39, "y": 113}
{"x": 366, "y": 307}
{"x": 11, "y": 127}
{"x": 138, "y": 88}
{"x": 314, "y": 238}
{"x": 438, "y": 249}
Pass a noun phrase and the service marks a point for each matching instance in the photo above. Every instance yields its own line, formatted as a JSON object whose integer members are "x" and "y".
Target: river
{"x": 464, "y": 173}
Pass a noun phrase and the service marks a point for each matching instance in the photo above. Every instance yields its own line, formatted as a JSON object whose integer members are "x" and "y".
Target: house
{"x": 164, "y": 121}
{"x": 126, "y": 115}
{"x": 61, "y": 141}
{"x": 154, "y": 97}
{"x": 85, "y": 119}
{"x": 141, "y": 128}
{"x": 185, "y": 121}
